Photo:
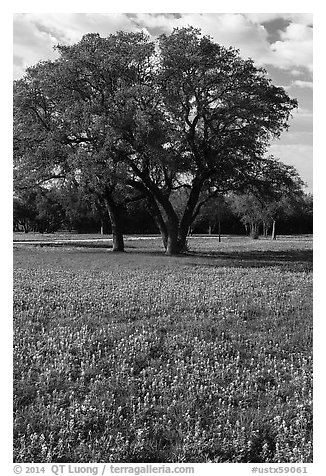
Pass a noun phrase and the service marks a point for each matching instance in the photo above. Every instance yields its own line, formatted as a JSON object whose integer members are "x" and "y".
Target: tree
{"x": 250, "y": 210}
{"x": 212, "y": 214}
{"x": 270, "y": 196}
{"x": 38, "y": 209}
{"x": 24, "y": 212}
{"x": 61, "y": 129}
{"x": 292, "y": 213}
{"x": 219, "y": 113}
{"x": 50, "y": 213}
{"x": 150, "y": 119}
{"x": 81, "y": 212}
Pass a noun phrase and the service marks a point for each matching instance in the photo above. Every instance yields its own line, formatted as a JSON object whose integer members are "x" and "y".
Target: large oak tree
{"x": 182, "y": 112}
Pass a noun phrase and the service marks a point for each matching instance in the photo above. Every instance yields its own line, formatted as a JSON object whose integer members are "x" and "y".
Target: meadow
{"x": 140, "y": 357}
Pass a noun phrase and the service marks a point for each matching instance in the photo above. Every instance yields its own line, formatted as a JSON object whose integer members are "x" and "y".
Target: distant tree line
{"x": 71, "y": 209}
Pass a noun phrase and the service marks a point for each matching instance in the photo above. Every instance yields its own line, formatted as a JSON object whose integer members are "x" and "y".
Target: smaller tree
{"x": 81, "y": 214}
{"x": 250, "y": 211}
{"x": 263, "y": 198}
{"x": 50, "y": 214}
{"x": 38, "y": 210}
{"x": 212, "y": 214}
{"x": 293, "y": 213}
{"x": 24, "y": 212}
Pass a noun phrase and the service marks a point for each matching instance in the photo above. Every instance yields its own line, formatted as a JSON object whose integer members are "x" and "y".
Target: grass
{"x": 139, "y": 357}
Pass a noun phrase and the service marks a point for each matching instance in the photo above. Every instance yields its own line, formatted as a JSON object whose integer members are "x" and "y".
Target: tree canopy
{"x": 146, "y": 118}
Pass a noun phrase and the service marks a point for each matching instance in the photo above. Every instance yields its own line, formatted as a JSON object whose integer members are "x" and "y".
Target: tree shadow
{"x": 290, "y": 259}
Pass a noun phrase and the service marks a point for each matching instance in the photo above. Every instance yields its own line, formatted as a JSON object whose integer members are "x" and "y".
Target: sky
{"x": 279, "y": 42}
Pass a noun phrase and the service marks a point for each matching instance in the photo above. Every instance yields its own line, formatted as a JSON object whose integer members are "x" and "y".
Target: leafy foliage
{"x": 138, "y": 119}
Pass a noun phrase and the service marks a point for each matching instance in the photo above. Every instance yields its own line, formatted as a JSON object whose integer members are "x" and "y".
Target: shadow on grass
{"x": 293, "y": 259}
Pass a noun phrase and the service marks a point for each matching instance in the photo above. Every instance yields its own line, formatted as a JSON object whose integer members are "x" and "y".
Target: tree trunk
{"x": 164, "y": 237}
{"x": 117, "y": 235}
{"x": 274, "y": 230}
{"x": 173, "y": 242}
{"x": 178, "y": 230}
{"x": 153, "y": 208}
{"x": 174, "y": 232}
{"x": 219, "y": 219}
{"x": 157, "y": 216}
{"x": 254, "y": 231}
{"x": 172, "y": 246}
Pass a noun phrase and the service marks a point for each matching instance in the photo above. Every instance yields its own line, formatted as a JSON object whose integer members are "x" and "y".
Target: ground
{"x": 140, "y": 357}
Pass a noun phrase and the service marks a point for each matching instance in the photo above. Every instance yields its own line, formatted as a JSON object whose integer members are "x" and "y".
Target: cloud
{"x": 236, "y": 30}
{"x": 246, "y": 32}
{"x": 69, "y": 27}
{"x": 264, "y": 17}
{"x": 155, "y": 24}
{"x": 30, "y": 44}
{"x": 294, "y": 48}
{"x": 302, "y": 18}
{"x": 301, "y": 129}
{"x": 228, "y": 29}
{"x": 35, "y": 34}
{"x": 302, "y": 84}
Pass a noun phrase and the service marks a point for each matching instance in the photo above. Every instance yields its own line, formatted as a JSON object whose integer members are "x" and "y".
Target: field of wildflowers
{"x": 140, "y": 357}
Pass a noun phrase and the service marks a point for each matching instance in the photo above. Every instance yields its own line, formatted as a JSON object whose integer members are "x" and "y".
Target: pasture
{"x": 139, "y": 357}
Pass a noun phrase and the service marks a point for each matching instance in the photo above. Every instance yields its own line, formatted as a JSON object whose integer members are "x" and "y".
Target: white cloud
{"x": 245, "y": 31}
{"x": 302, "y": 84}
{"x": 30, "y": 45}
{"x": 70, "y": 27}
{"x": 36, "y": 33}
{"x": 228, "y": 29}
{"x": 294, "y": 48}
{"x": 302, "y": 18}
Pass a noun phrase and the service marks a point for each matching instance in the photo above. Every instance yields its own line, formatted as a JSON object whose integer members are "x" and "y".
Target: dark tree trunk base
{"x": 176, "y": 247}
